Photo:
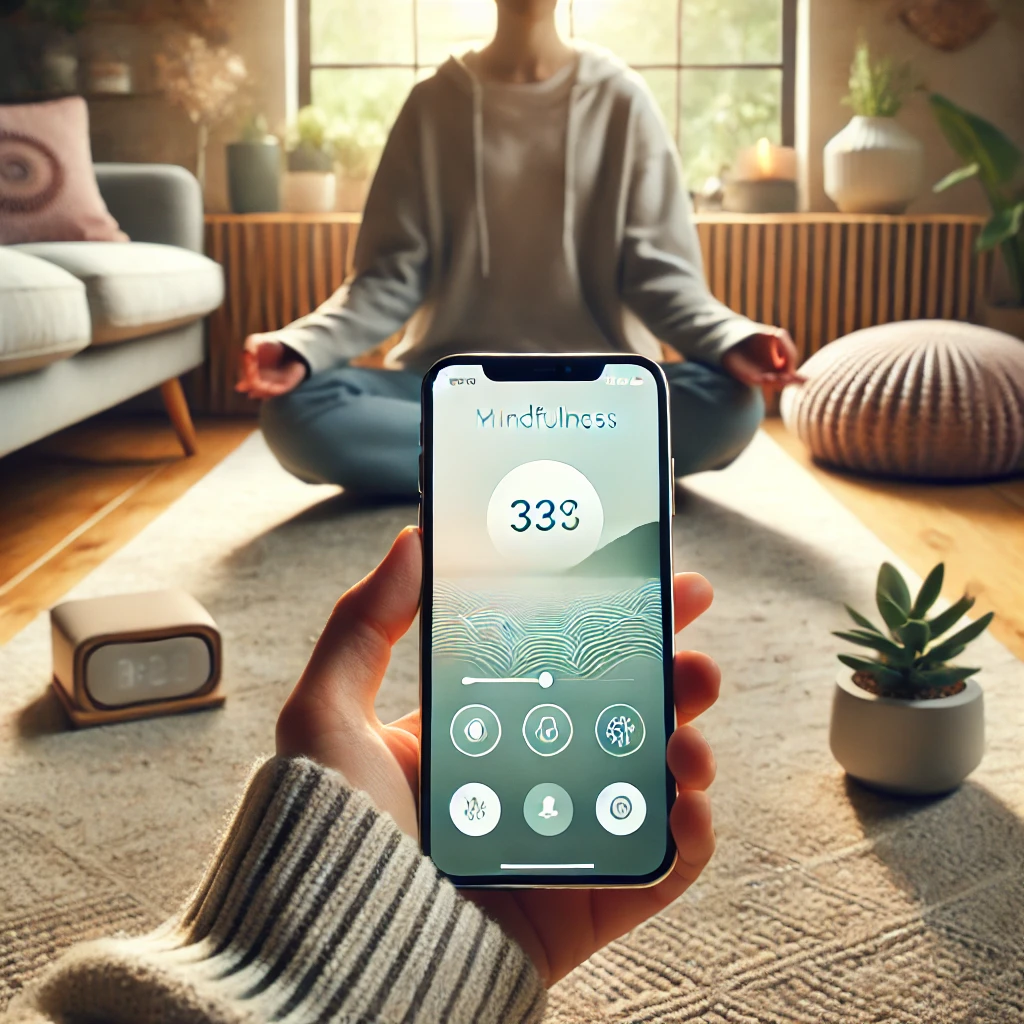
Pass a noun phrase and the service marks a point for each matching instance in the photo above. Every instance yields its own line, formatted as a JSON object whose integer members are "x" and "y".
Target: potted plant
{"x": 996, "y": 162}
{"x": 357, "y": 145}
{"x": 59, "y": 57}
{"x": 254, "y": 169}
{"x": 874, "y": 165}
{"x": 906, "y": 720}
{"x": 309, "y": 185}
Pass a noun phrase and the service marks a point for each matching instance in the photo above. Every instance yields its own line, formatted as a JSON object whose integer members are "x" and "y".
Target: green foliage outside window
{"x": 711, "y": 113}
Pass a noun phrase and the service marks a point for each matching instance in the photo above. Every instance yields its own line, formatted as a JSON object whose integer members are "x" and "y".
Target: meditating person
{"x": 319, "y": 906}
{"x": 529, "y": 199}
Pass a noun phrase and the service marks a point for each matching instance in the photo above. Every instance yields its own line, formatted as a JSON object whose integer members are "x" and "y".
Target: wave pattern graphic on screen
{"x": 515, "y": 634}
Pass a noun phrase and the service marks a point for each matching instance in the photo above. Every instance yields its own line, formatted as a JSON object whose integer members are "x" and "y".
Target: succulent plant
{"x": 312, "y": 145}
{"x": 912, "y": 661}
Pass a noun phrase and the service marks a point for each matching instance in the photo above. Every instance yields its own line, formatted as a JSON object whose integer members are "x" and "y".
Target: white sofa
{"x": 87, "y": 325}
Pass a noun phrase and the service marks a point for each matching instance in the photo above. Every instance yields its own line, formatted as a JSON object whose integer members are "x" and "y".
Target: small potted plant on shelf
{"x": 874, "y": 165}
{"x": 996, "y": 162}
{"x": 254, "y": 169}
{"x": 358, "y": 143}
{"x": 907, "y": 720}
{"x": 310, "y": 184}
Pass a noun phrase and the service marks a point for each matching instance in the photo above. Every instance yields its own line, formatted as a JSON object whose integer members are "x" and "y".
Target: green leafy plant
{"x": 357, "y": 145}
{"x": 255, "y": 130}
{"x": 878, "y": 87}
{"x": 996, "y": 162}
{"x": 68, "y": 15}
{"x": 912, "y": 661}
{"x": 311, "y": 143}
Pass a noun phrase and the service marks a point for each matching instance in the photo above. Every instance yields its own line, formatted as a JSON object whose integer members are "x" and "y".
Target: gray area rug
{"x": 823, "y": 903}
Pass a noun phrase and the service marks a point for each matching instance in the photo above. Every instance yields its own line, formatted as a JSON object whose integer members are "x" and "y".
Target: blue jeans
{"x": 359, "y": 427}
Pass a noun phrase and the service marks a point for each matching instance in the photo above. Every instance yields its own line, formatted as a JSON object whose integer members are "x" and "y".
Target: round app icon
{"x": 475, "y": 730}
{"x": 620, "y": 730}
{"x": 545, "y": 514}
{"x": 621, "y": 808}
{"x": 548, "y": 809}
{"x": 547, "y": 729}
{"x": 475, "y": 809}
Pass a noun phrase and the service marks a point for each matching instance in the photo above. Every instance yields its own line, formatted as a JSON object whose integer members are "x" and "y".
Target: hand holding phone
{"x": 330, "y": 718}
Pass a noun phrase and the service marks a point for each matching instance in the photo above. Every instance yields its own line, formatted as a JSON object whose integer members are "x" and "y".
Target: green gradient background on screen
{"x": 596, "y": 626}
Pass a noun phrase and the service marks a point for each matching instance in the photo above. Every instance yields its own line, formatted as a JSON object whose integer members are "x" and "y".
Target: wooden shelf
{"x": 284, "y": 218}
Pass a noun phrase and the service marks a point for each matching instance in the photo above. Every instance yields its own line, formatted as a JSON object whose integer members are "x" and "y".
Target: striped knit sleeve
{"x": 315, "y": 908}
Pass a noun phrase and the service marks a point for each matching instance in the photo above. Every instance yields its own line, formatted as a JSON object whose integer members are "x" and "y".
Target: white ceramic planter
{"x": 352, "y": 194}
{"x": 914, "y": 748}
{"x": 874, "y": 165}
{"x": 309, "y": 192}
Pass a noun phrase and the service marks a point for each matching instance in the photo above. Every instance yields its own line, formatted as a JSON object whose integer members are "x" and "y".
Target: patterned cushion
{"x": 48, "y": 188}
{"x": 931, "y": 399}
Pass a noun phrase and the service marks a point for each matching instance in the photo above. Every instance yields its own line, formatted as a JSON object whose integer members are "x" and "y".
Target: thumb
{"x": 352, "y": 654}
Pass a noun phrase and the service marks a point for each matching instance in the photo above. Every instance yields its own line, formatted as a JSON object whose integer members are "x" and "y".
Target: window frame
{"x": 786, "y": 64}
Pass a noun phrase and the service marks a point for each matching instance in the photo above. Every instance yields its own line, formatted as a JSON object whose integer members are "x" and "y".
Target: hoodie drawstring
{"x": 569, "y": 194}
{"x": 478, "y": 172}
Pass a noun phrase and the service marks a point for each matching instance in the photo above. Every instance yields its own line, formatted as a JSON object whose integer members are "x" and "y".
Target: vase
{"x": 254, "y": 176}
{"x": 874, "y": 165}
{"x": 309, "y": 192}
{"x": 908, "y": 747}
{"x": 352, "y": 194}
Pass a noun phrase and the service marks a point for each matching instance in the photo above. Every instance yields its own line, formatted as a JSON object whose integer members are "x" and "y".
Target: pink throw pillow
{"x": 48, "y": 190}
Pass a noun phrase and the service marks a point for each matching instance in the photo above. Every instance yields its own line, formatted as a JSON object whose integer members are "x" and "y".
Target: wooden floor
{"x": 976, "y": 529}
{"x": 71, "y": 501}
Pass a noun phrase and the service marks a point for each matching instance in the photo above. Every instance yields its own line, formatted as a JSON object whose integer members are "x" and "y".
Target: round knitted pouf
{"x": 932, "y": 399}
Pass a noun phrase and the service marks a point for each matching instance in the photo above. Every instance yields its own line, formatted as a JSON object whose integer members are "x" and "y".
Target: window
{"x": 722, "y": 71}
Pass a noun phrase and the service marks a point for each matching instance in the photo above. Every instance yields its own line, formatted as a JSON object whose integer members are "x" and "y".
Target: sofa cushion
{"x": 137, "y": 288}
{"x": 48, "y": 188}
{"x": 44, "y": 315}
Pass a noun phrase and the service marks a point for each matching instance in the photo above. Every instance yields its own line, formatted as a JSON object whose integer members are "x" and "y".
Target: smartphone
{"x": 547, "y": 634}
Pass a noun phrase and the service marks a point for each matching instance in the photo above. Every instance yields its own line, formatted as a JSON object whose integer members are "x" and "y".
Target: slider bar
{"x": 541, "y": 867}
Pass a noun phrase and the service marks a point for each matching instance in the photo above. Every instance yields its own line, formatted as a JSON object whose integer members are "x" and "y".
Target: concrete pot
{"x": 254, "y": 176}
{"x": 309, "y": 192}
{"x": 352, "y": 194}
{"x": 912, "y": 748}
{"x": 874, "y": 165}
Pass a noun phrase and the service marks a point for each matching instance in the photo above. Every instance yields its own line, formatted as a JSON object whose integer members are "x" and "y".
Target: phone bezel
{"x": 545, "y": 367}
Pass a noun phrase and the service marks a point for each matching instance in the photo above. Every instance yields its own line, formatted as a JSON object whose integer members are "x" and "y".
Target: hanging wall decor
{"x": 947, "y": 24}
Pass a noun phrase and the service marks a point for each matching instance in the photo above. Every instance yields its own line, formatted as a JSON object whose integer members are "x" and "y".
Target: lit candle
{"x": 765, "y": 162}
{"x": 763, "y": 180}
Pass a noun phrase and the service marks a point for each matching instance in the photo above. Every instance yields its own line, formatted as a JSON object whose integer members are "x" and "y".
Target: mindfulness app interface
{"x": 547, "y": 701}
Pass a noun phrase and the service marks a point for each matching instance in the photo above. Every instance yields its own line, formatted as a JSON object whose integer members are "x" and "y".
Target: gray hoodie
{"x": 628, "y": 239}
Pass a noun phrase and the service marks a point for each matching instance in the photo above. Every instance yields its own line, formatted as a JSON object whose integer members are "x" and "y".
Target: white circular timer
{"x": 545, "y": 515}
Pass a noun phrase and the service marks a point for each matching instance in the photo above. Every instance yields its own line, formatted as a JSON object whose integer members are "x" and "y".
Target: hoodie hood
{"x": 595, "y": 66}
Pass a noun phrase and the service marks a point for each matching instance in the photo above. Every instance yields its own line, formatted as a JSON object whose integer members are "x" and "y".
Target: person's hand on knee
{"x": 765, "y": 360}
{"x": 330, "y": 718}
{"x": 269, "y": 368}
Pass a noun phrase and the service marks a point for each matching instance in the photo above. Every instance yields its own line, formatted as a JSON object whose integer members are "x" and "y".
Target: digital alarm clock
{"x": 134, "y": 655}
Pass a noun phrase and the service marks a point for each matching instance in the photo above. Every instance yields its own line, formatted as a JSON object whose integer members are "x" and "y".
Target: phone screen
{"x": 547, "y": 624}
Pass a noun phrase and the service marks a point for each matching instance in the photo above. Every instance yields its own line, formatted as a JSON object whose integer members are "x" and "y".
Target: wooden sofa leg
{"x": 177, "y": 409}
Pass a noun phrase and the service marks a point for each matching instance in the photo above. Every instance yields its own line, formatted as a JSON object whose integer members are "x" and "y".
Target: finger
{"x": 692, "y": 596}
{"x": 694, "y": 836}
{"x": 690, "y": 759}
{"x": 410, "y": 723}
{"x": 353, "y": 651}
{"x": 696, "y": 683}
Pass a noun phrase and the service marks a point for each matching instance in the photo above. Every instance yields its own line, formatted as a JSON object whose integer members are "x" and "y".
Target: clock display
{"x": 146, "y": 670}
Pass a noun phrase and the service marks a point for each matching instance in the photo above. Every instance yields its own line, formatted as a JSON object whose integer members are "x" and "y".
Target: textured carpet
{"x": 823, "y": 903}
